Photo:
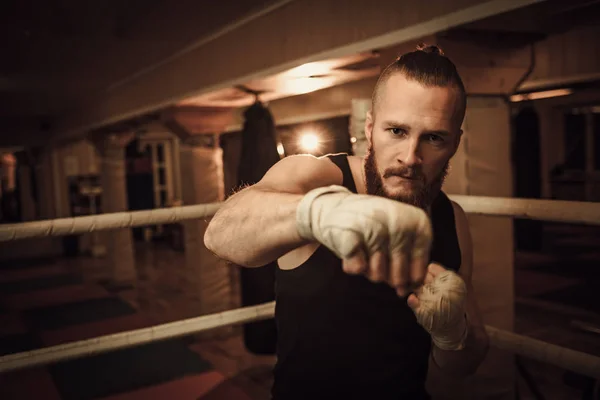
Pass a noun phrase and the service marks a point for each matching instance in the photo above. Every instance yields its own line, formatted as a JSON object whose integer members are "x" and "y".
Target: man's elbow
{"x": 211, "y": 240}
{"x": 214, "y": 241}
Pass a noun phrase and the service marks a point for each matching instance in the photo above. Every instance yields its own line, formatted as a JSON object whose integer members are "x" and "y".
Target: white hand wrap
{"x": 442, "y": 310}
{"x": 344, "y": 222}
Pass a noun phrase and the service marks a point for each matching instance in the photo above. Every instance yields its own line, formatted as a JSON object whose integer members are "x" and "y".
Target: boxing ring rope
{"x": 563, "y": 211}
{"x": 100, "y": 222}
{"x": 576, "y": 361}
{"x": 547, "y": 210}
{"x": 122, "y": 340}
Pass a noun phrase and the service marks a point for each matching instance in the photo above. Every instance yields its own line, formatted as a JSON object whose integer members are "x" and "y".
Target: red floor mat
{"x": 188, "y": 388}
{"x": 226, "y": 391}
{"x": 52, "y": 297}
{"x": 28, "y": 384}
{"x": 94, "y": 329}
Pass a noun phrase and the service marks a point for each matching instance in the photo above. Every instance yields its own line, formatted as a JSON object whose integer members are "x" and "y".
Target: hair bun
{"x": 431, "y": 49}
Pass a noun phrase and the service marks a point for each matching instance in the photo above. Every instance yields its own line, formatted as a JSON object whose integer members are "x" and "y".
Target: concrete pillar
{"x": 45, "y": 185}
{"x": 482, "y": 167}
{"x": 120, "y": 257}
{"x": 208, "y": 280}
{"x": 358, "y": 115}
{"x": 24, "y": 177}
{"x": 26, "y": 193}
{"x": 8, "y": 185}
{"x": 8, "y": 163}
{"x": 41, "y": 206}
{"x": 202, "y": 182}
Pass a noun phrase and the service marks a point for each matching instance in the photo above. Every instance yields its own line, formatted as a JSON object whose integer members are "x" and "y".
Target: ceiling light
{"x": 309, "y": 142}
{"x": 540, "y": 95}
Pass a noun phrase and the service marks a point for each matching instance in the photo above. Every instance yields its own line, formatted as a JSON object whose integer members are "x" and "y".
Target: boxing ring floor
{"x": 159, "y": 299}
{"x": 156, "y": 297}
{"x": 217, "y": 369}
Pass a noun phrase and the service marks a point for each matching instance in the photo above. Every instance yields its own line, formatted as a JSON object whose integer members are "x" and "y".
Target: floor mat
{"x": 62, "y": 316}
{"x": 188, "y": 388}
{"x": 126, "y": 370}
{"x": 532, "y": 283}
{"x": 26, "y": 263}
{"x": 11, "y": 323}
{"x": 11, "y": 344}
{"x": 40, "y": 283}
{"x": 226, "y": 391}
{"x": 583, "y": 296}
{"x": 95, "y": 329}
{"x": 28, "y": 273}
{"x": 28, "y": 384}
{"x": 568, "y": 267}
{"x": 53, "y": 296}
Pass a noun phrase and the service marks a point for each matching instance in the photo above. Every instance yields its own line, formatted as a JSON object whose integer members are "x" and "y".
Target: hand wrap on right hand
{"x": 345, "y": 222}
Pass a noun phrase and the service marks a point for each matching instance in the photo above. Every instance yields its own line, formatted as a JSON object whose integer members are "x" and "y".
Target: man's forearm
{"x": 254, "y": 227}
{"x": 466, "y": 361}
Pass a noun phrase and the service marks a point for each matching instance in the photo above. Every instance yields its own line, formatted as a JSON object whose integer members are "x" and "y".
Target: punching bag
{"x": 258, "y": 155}
{"x": 528, "y": 177}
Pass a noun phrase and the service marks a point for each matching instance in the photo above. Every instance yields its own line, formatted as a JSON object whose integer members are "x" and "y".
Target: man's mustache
{"x": 405, "y": 172}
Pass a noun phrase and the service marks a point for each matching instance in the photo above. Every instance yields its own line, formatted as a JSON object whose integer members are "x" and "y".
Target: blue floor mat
{"x": 81, "y": 312}
{"x": 126, "y": 370}
{"x": 40, "y": 283}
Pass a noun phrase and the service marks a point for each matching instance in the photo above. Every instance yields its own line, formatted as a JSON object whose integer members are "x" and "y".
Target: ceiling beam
{"x": 322, "y": 104}
{"x": 299, "y": 32}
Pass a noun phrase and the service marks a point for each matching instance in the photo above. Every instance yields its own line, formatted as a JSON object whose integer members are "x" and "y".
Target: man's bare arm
{"x": 257, "y": 225}
{"x": 466, "y": 361}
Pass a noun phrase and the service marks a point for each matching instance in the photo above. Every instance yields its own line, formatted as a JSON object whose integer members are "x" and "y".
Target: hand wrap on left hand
{"x": 440, "y": 307}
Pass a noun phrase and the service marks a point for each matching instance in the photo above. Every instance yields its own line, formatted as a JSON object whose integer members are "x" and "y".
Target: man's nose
{"x": 412, "y": 155}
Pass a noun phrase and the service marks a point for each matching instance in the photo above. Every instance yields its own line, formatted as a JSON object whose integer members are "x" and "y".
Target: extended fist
{"x": 385, "y": 240}
{"x": 440, "y": 307}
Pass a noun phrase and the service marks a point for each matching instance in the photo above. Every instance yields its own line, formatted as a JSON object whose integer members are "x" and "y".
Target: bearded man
{"x": 375, "y": 262}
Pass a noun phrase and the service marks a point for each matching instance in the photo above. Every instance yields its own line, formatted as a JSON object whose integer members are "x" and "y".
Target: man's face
{"x": 412, "y": 135}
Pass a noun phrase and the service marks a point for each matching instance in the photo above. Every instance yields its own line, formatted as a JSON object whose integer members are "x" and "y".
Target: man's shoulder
{"x": 301, "y": 173}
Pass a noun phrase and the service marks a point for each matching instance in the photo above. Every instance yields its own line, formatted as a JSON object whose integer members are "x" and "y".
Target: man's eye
{"x": 397, "y": 131}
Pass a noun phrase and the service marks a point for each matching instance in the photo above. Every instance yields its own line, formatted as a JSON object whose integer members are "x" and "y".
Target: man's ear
{"x": 369, "y": 126}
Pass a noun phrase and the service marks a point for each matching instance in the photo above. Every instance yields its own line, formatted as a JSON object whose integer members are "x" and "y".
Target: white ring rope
{"x": 577, "y": 361}
{"x": 563, "y": 211}
{"x": 122, "y": 340}
{"x": 547, "y": 210}
{"x": 91, "y": 223}
{"x": 582, "y": 363}
{"x": 582, "y": 212}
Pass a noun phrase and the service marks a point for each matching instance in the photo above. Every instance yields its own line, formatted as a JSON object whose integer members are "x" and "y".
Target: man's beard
{"x": 423, "y": 197}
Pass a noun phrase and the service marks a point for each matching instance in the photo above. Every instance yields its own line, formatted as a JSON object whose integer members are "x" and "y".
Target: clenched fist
{"x": 382, "y": 239}
{"x": 440, "y": 307}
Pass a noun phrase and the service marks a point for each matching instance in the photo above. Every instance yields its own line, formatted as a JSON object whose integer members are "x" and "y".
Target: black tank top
{"x": 344, "y": 337}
